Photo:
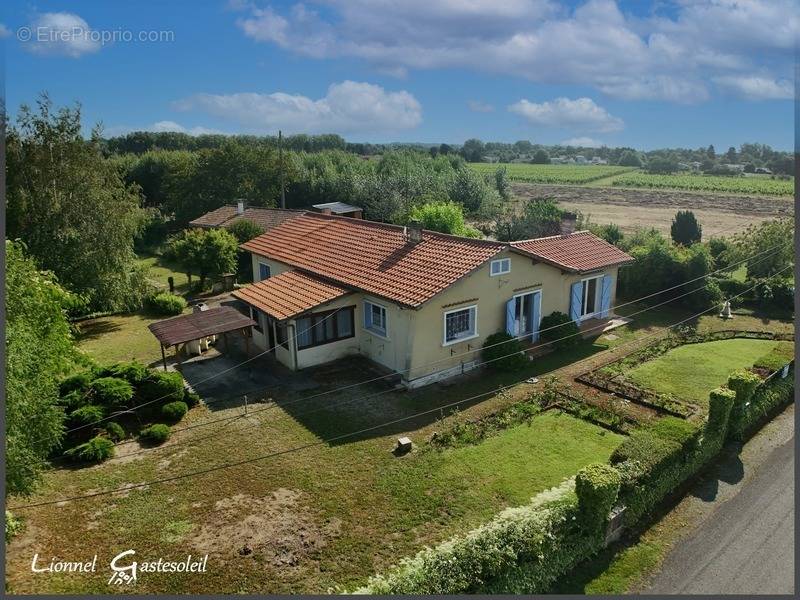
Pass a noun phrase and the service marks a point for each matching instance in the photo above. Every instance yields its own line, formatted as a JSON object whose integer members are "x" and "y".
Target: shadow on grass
{"x": 95, "y": 329}
{"x": 380, "y": 410}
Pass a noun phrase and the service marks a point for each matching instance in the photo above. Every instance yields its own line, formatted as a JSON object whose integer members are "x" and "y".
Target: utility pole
{"x": 280, "y": 162}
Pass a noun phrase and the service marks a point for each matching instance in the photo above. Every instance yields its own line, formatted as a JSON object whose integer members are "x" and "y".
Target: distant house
{"x": 339, "y": 208}
{"x": 762, "y": 171}
{"x": 596, "y": 160}
{"x": 417, "y": 302}
{"x": 734, "y": 167}
{"x": 224, "y": 216}
{"x": 580, "y": 160}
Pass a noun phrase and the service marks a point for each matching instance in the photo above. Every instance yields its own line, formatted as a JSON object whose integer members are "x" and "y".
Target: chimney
{"x": 240, "y": 207}
{"x": 568, "y": 223}
{"x": 326, "y": 211}
{"x": 414, "y": 232}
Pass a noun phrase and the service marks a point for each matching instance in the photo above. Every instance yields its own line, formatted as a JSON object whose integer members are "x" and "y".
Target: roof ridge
{"x": 392, "y": 226}
{"x": 551, "y": 237}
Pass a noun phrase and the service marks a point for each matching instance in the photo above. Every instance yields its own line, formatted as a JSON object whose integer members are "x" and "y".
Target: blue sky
{"x": 668, "y": 73}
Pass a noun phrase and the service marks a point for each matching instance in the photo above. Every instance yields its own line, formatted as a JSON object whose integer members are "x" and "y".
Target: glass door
{"x": 523, "y": 314}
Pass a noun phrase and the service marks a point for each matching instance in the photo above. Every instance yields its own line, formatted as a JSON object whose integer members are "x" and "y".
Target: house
{"x": 420, "y": 303}
{"x": 339, "y": 208}
{"x": 224, "y": 216}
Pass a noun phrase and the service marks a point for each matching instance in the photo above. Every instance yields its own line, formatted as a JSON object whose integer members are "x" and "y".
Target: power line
{"x": 438, "y": 361}
{"x": 331, "y": 439}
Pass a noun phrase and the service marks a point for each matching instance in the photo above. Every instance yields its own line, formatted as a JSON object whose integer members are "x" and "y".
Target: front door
{"x": 523, "y": 314}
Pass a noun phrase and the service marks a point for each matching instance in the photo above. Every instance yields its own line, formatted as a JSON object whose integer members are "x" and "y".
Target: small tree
{"x": 685, "y": 229}
{"x": 540, "y": 157}
{"x": 245, "y": 230}
{"x": 207, "y": 253}
{"x": 630, "y": 159}
{"x": 444, "y": 217}
{"x": 540, "y": 217}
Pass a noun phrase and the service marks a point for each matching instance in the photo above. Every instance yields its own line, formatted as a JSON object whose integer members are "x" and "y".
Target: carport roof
{"x": 199, "y": 325}
{"x": 289, "y": 294}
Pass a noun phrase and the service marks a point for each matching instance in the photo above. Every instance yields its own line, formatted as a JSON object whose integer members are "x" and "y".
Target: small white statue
{"x": 726, "y": 310}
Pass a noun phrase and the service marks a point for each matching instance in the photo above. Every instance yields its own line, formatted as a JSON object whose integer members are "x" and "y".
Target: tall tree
{"x": 71, "y": 208}
{"x": 685, "y": 229}
{"x": 38, "y": 351}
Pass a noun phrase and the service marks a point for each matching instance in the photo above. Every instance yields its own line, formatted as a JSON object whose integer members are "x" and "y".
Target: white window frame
{"x": 471, "y": 307}
{"x": 374, "y": 331}
{"x": 499, "y": 261}
{"x": 531, "y": 292}
{"x": 585, "y": 291}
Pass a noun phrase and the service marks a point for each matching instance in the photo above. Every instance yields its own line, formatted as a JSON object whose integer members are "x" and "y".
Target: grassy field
{"x": 756, "y": 185}
{"x": 559, "y": 174}
{"x": 692, "y": 371}
{"x": 159, "y": 270}
{"x": 330, "y": 515}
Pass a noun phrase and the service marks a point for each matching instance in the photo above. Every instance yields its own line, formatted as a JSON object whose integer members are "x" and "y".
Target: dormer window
{"x": 500, "y": 267}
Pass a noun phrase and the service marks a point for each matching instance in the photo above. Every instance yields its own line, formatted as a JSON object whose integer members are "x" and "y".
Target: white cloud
{"x": 348, "y": 107}
{"x": 757, "y": 88}
{"x": 583, "y": 142}
{"x": 581, "y": 114}
{"x": 4, "y": 31}
{"x": 61, "y": 34}
{"x": 481, "y": 107}
{"x": 595, "y": 44}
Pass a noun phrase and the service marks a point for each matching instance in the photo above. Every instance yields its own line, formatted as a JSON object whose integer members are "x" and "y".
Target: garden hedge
{"x": 96, "y": 449}
{"x": 743, "y": 383}
{"x": 161, "y": 387}
{"x": 111, "y": 392}
{"x": 166, "y": 304}
{"x": 523, "y": 548}
{"x": 597, "y": 487}
{"x": 155, "y": 434}
{"x": 766, "y": 399}
{"x": 558, "y": 329}
{"x": 174, "y": 411}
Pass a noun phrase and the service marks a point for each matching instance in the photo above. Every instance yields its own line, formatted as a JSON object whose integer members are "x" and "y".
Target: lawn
{"x": 159, "y": 270}
{"x": 690, "y": 372}
{"x": 120, "y": 337}
{"x": 329, "y": 515}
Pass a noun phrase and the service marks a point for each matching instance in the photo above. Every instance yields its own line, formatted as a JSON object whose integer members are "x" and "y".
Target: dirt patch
{"x": 276, "y": 529}
{"x": 631, "y": 209}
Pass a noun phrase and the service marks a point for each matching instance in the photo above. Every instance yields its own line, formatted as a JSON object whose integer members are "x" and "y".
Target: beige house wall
{"x": 414, "y": 344}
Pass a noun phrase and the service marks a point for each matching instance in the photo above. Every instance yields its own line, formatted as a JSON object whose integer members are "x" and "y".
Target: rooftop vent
{"x": 414, "y": 232}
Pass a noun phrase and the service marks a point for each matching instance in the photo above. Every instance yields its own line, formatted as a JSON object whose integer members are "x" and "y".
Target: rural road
{"x": 745, "y": 545}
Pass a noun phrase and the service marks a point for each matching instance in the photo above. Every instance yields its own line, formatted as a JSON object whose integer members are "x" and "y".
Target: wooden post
{"x": 164, "y": 357}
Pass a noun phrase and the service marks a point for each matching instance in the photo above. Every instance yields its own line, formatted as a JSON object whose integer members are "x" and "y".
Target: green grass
{"x": 159, "y": 270}
{"x": 740, "y": 273}
{"x": 690, "y": 372}
{"x": 708, "y": 183}
{"x": 558, "y": 174}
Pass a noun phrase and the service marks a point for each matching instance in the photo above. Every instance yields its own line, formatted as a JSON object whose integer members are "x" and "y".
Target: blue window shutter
{"x": 605, "y": 296}
{"x": 536, "y": 311}
{"x": 510, "y": 317}
{"x": 575, "y": 301}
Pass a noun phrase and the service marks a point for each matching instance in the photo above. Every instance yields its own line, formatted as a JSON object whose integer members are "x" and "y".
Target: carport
{"x": 199, "y": 325}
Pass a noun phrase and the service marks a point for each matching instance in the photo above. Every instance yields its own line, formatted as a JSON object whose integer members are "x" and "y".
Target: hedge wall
{"x": 524, "y": 549}
{"x": 765, "y": 401}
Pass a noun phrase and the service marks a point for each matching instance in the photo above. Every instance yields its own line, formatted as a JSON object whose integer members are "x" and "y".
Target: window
{"x": 282, "y": 338}
{"x": 460, "y": 325}
{"x": 375, "y": 318}
{"x": 263, "y": 271}
{"x": 256, "y": 316}
{"x": 500, "y": 266}
{"x": 324, "y": 328}
{"x": 590, "y": 287}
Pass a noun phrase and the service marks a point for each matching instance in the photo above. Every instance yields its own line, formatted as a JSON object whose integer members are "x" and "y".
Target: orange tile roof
{"x": 267, "y": 218}
{"x": 580, "y": 252}
{"x": 289, "y": 294}
{"x": 373, "y": 257}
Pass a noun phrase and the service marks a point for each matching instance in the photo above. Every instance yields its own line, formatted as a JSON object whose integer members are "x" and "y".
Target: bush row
{"x": 522, "y": 549}
{"x": 756, "y": 401}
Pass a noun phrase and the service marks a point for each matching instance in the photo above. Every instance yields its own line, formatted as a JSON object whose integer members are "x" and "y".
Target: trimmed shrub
{"x": 86, "y": 415}
{"x": 174, "y": 411}
{"x": 133, "y": 372}
{"x": 523, "y": 549}
{"x": 155, "y": 434}
{"x": 14, "y": 526}
{"x": 685, "y": 229}
{"x": 164, "y": 386}
{"x": 743, "y": 383}
{"x": 191, "y": 398}
{"x": 558, "y": 329}
{"x": 766, "y": 400}
{"x": 111, "y": 392}
{"x": 96, "y": 449}
{"x": 115, "y": 431}
{"x": 775, "y": 294}
{"x": 503, "y": 352}
{"x": 74, "y": 400}
{"x": 77, "y": 382}
{"x": 597, "y": 487}
{"x": 166, "y": 304}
